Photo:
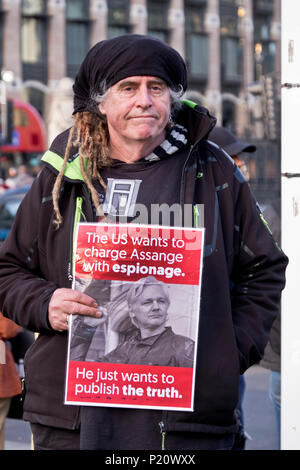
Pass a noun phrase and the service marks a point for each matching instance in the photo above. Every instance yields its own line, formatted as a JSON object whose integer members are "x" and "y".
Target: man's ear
{"x": 132, "y": 318}
{"x": 102, "y": 109}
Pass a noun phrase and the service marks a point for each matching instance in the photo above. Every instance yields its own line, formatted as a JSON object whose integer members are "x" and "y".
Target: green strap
{"x": 72, "y": 171}
{"x": 77, "y": 216}
{"x": 265, "y": 223}
{"x": 189, "y": 103}
{"x": 269, "y": 230}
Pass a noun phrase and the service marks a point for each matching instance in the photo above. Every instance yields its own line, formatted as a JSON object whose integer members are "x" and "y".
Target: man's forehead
{"x": 150, "y": 288}
{"x": 140, "y": 79}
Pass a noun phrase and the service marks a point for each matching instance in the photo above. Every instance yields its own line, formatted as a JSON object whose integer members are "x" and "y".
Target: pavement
{"x": 259, "y": 417}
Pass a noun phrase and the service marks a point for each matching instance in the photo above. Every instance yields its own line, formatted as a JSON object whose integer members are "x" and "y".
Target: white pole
{"x": 290, "y": 335}
{"x": 3, "y": 110}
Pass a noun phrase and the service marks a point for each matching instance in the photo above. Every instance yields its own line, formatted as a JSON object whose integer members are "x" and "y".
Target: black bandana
{"x": 114, "y": 59}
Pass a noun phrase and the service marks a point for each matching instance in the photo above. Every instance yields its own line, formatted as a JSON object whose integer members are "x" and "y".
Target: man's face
{"x": 150, "y": 308}
{"x": 137, "y": 110}
{"x": 240, "y": 163}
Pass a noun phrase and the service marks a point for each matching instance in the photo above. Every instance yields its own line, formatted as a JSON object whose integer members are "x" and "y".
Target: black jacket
{"x": 164, "y": 349}
{"x": 242, "y": 279}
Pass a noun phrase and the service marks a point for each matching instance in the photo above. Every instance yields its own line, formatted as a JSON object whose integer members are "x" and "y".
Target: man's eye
{"x": 127, "y": 90}
{"x": 156, "y": 89}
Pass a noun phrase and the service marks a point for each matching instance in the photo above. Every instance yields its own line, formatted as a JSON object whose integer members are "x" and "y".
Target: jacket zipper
{"x": 182, "y": 176}
{"x": 76, "y": 219}
{"x": 163, "y": 434}
{"x": 195, "y": 207}
{"x": 77, "y": 216}
{"x": 196, "y": 223}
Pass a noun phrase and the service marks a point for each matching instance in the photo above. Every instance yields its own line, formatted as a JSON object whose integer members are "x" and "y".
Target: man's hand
{"x": 65, "y": 302}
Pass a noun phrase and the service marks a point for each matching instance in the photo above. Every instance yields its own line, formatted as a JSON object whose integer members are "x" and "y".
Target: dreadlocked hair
{"x": 90, "y": 134}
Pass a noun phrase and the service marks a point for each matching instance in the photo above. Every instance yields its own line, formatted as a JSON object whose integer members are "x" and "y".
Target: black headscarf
{"x": 124, "y": 56}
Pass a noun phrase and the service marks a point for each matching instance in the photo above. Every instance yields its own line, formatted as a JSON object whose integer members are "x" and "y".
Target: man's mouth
{"x": 148, "y": 116}
{"x": 155, "y": 315}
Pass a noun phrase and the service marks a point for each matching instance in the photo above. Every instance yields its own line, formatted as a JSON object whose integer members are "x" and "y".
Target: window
{"x": 118, "y": 18}
{"x": 34, "y": 40}
{"x": 229, "y": 17}
{"x": 264, "y": 47}
{"x": 263, "y": 6}
{"x": 33, "y": 7}
{"x": 78, "y": 34}
{"x": 231, "y": 46}
{"x": 196, "y": 42}
{"x": 268, "y": 54}
{"x": 197, "y": 55}
{"x": 36, "y": 98}
{"x": 158, "y": 19}
{"x": 262, "y": 27}
{"x": 33, "y": 31}
{"x": 228, "y": 115}
{"x": 231, "y": 53}
{"x": 20, "y": 118}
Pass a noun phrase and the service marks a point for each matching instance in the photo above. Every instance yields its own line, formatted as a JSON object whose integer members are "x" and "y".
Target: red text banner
{"x": 130, "y": 385}
{"x": 125, "y": 252}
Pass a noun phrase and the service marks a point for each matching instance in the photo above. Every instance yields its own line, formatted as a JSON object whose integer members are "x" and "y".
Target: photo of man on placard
{"x": 137, "y": 328}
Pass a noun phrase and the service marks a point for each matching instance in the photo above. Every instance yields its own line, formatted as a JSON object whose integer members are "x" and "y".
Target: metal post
{"x": 290, "y": 167}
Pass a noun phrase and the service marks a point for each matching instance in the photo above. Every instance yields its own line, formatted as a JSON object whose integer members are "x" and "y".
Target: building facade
{"x": 231, "y": 47}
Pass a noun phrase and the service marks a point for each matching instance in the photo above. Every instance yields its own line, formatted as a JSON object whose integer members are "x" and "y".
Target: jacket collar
{"x": 72, "y": 171}
{"x": 196, "y": 119}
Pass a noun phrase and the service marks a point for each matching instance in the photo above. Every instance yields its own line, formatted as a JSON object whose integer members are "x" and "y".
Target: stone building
{"x": 232, "y": 49}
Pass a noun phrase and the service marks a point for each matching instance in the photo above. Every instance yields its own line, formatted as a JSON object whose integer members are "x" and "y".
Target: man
{"x": 133, "y": 145}
{"x": 152, "y": 342}
{"x": 235, "y": 147}
{"x": 271, "y": 212}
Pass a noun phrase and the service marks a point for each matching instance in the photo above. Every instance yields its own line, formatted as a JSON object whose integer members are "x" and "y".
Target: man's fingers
{"x": 65, "y": 302}
{"x": 75, "y": 308}
{"x": 75, "y": 296}
{"x": 58, "y": 320}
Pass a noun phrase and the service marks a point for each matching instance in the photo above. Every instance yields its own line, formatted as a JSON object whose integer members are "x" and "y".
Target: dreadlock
{"x": 89, "y": 133}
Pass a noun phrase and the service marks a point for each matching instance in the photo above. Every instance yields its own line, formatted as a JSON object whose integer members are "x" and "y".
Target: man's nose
{"x": 155, "y": 304}
{"x": 144, "y": 97}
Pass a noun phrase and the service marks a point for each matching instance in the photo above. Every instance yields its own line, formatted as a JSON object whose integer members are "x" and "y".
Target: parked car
{"x": 9, "y": 203}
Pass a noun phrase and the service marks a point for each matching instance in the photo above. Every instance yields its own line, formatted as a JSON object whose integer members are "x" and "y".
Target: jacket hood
{"x": 197, "y": 120}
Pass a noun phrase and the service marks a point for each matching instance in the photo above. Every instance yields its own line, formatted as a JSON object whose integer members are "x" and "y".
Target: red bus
{"x": 28, "y": 130}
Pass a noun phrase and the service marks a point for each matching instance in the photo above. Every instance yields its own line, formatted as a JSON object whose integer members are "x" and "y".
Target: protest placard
{"x": 142, "y": 352}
